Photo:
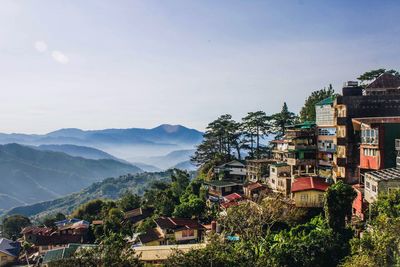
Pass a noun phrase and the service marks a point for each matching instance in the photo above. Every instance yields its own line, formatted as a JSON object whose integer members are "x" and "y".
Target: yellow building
{"x": 9, "y": 251}
{"x": 308, "y": 192}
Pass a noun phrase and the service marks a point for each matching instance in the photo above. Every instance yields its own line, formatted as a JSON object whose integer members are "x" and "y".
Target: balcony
{"x": 301, "y": 146}
{"x": 296, "y": 162}
{"x": 325, "y": 163}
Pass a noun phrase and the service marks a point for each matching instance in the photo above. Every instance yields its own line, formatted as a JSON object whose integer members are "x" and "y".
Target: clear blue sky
{"x": 98, "y": 64}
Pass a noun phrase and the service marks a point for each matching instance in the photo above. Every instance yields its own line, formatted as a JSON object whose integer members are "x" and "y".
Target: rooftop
{"x": 149, "y": 236}
{"x": 232, "y": 197}
{"x": 385, "y": 174}
{"x": 178, "y": 223}
{"x": 385, "y": 81}
{"x": 220, "y": 183}
{"x": 309, "y": 183}
{"x": 357, "y": 122}
{"x": 326, "y": 101}
{"x": 255, "y": 186}
{"x": 9, "y": 247}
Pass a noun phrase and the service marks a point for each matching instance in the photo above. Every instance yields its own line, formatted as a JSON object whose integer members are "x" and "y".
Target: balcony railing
{"x": 301, "y": 146}
{"x": 292, "y": 161}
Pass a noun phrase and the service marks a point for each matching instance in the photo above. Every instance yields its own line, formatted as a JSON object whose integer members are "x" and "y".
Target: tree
{"x": 13, "y": 225}
{"x": 281, "y": 120}
{"x": 373, "y": 74}
{"x": 256, "y": 126}
{"x": 49, "y": 221}
{"x": 190, "y": 206}
{"x": 220, "y": 141}
{"x": 338, "y": 205}
{"x": 129, "y": 201}
{"x": 93, "y": 210}
{"x": 311, "y": 244}
{"x": 307, "y": 112}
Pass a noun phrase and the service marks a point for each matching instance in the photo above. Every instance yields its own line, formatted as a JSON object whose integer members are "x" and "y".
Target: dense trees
{"x": 13, "y": 225}
{"x": 281, "y": 120}
{"x": 256, "y": 125}
{"x": 307, "y": 113}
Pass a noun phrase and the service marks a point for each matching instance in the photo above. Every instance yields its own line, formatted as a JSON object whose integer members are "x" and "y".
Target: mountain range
{"x": 110, "y": 188}
{"x": 135, "y": 145}
{"x": 29, "y": 175}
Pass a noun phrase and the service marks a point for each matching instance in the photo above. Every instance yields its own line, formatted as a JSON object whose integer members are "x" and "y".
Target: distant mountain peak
{"x": 169, "y": 128}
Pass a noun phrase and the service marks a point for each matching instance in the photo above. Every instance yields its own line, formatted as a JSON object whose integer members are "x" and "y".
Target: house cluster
{"x": 355, "y": 139}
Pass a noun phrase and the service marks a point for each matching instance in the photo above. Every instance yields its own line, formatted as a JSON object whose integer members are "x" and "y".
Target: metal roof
{"x": 385, "y": 174}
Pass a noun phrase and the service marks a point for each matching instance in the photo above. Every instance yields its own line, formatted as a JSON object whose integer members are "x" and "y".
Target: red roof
{"x": 232, "y": 197}
{"x": 34, "y": 230}
{"x": 309, "y": 183}
{"x": 177, "y": 223}
{"x": 254, "y": 186}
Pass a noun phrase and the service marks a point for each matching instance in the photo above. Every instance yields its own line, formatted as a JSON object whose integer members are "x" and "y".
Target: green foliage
{"x": 129, "y": 201}
{"x": 388, "y": 204}
{"x": 256, "y": 126}
{"x": 93, "y": 210}
{"x": 373, "y": 74}
{"x": 281, "y": 120}
{"x": 49, "y": 220}
{"x": 311, "y": 244}
{"x": 338, "y": 205}
{"x": 136, "y": 184}
{"x": 190, "y": 206}
{"x": 13, "y": 225}
{"x": 307, "y": 112}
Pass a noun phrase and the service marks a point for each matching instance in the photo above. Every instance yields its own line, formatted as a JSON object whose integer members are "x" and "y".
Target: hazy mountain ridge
{"x": 110, "y": 188}
{"x": 29, "y": 175}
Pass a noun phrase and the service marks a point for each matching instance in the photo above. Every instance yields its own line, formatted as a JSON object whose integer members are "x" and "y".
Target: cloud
{"x": 40, "y": 46}
{"x": 60, "y": 57}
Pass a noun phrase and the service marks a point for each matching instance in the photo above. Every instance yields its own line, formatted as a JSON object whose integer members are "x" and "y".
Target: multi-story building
{"x": 258, "y": 169}
{"x": 377, "y": 144}
{"x": 380, "y": 99}
{"x": 280, "y": 178}
{"x": 301, "y": 154}
{"x": 326, "y": 136}
{"x": 279, "y": 150}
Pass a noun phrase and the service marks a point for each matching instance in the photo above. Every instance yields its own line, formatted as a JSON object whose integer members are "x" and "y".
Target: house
{"x": 309, "y": 192}
{"x": 217, "y": 189}
{"x": 230, "y": 200}
{"x": 280, "y": 178}
{"x": 279, "y": 150}
{"x": 179, "y": 231}
{"x": 232, "y": 171}
{"x": 380, "y": 99}
{"x": 253, "y": 190}
{"x": 326, "y": 136}
{"x": 136, "y": 216}
{"x": 9, "y": 251}
{"x": 63, "y": 253}
{"x": 258, "y": 169}
{"x": 380, "y": 182}
{"x": 66, "y": 232}
{"x": 152, "y": 237}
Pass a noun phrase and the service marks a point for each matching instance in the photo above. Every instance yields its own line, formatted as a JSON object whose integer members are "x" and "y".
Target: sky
{"x": 98, "y": 64}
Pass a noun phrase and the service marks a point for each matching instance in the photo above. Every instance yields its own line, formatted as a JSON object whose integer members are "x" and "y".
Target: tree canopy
{"x": 307, "y": 112}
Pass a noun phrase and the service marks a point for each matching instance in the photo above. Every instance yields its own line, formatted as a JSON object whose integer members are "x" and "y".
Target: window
{"x": 367, "y": 185}
{"x": 304, "y": 197}
{"x": 188, "y": 233}
{"x": 374, "y": 188}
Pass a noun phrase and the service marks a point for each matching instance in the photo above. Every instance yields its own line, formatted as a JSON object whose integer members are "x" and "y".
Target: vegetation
{"x": 307, "y": 113}
{"x": 13, "y": 225}
{"x": 368, "y": 76}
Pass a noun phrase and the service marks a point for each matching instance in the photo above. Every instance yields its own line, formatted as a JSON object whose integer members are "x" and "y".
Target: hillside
{"x": 172, "y": 159}
{"x": 109, "y": 188}
{"x": 78, "y": 151}
{"x": 29, "y": 175}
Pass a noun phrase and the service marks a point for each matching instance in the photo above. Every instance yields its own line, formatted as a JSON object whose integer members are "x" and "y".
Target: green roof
{"x": 303, "y": 125}
{"x": 62, "y": 253}
{"x": 326, "y": 101}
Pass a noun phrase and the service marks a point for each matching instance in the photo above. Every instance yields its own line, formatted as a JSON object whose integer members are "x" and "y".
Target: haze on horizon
{"x": 120, "y": 64}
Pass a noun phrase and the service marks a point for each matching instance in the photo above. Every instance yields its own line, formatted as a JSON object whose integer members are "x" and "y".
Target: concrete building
{"x": 280, "y": 178}
{"x": 380, "y": 99}
{"x": 326, "y": 136}
{"x": 258, "y": 169}
{"x": 381, "y": 182}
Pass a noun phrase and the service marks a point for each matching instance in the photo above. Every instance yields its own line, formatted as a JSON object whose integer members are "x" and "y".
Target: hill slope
{"x": 28, "y": 175}
{"x": 109, "y": 188}
{"x": 78, "y": 151}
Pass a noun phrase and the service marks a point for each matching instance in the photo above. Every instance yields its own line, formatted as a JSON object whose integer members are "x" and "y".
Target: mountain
{"x": 29, "y": 175}
{"x": 79, "y": 151}
{"x": 132, "y": 145}
{"x": 186, "y": 165}
{"x": 171, "y": 159}
{"x": 110, "y": 188}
